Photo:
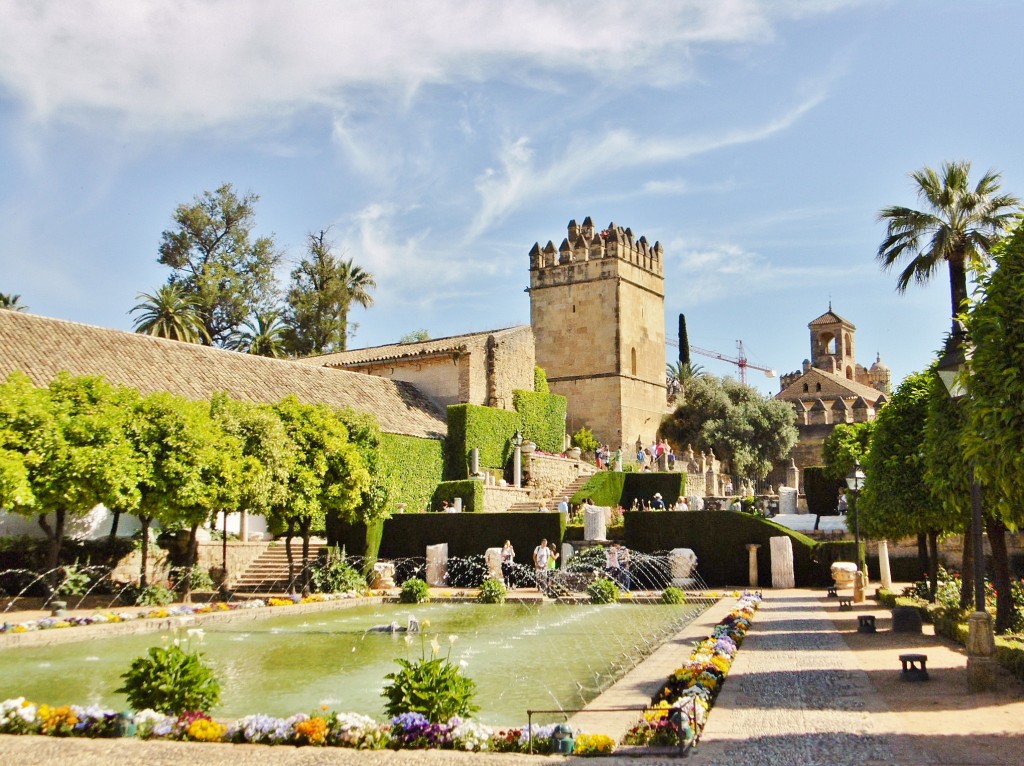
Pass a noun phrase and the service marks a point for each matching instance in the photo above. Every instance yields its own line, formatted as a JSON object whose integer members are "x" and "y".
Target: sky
{"x": 438, "y": 140}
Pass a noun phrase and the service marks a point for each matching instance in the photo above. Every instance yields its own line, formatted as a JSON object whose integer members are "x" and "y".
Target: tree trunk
{"x": 922, "y": 554}
{"x": 967, "y": 571}
{"x": 114, "y": 523}
{"x": 143, "y": 575}
{"x": 1001, "y": 574}
{"x": 304, "y": 526}
{"x": 224, "y": 556}
{"x": 933, "y": 564}
{"x": 190, "y": 562}
{"x": 289, "y": 532}
{"x": 55, "y": 537}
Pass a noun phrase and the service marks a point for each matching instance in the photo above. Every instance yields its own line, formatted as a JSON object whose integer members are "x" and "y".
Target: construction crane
{"x": 740, "y": 360}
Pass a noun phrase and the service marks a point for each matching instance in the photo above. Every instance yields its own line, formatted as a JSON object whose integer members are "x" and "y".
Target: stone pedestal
{"x": 883, "y": 564}
{"x": 752, "y": 563}
{"x": 843, "y": 573}
{"x": 792, "y": 476}
{"x": 594, "y": 523}
{"x": 474, "y": 461}
{"x": 783, "y": 575}
{"x": 437, "y": 564}
{"x": 492, "y": 558}
{"x": 243, "y": 527}
{"x": 517, "y": 468}
{"x": 682, "y": 562}
{"x": 858, "y": 587}
{"x": 383, "y": 575}
{"x": 787, "y": 500}
{"x": 567, "y": 553}
{"x": 981, "y": 649}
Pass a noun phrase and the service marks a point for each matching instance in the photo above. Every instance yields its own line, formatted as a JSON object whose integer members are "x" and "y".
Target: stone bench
{"x": 866, "y": 623}
{"x": 915, "y": 667}
{"x": 846, "y": 602}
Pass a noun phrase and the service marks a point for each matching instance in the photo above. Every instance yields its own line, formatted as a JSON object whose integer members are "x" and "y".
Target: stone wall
{"x": 438, "y": 377}
{"x": 240, "y": 556}
{"x": 548, "y": 475}
{"x": 500, "y": 499}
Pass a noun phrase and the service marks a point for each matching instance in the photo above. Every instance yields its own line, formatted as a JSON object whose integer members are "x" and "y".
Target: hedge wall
{"x": 413, "y": 467}
{"x": 486, "y": 428}
{"x": 470, "y": 490}
{"x": 603, "y": 488}
{"x": 408, "y": 535}
{"x": 719, "y": 539}
{"x": 821, "y": 492}
{"x": 542, "y": 419}
{"x": 640, "y": 487}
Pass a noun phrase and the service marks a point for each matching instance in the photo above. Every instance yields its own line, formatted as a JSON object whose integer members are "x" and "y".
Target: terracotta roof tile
{"x": 455, "y": 343}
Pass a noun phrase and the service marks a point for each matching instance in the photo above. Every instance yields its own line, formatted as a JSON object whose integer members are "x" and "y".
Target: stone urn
{"x": 528, "y": 447}
{"x": 843, "y": 573}
{"x": 573, "y": 453}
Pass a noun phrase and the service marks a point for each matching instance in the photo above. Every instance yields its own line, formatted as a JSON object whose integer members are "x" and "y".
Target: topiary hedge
{"x": 470, "y": 490}
{"x": 487, "y": 428}
{"x": 719, "y": 539}
{"x": 822, "y": 493}
{"x": 641, "y": 487}
{"x": 542, "y": 418}
{"x": 412, "y": 467}
{"x": 603, "y": 488}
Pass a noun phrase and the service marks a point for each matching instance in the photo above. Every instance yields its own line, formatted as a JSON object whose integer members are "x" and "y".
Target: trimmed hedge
{"x": 604, "y": 488}
{"x": 470, "y": 490}
{"x": 488, "y": 429}
{"x": 642, "y": 486}
{"x": 413, "y": 467}
{"x": 822, "y": 493}
{"x": 719, "y": 539}
{"x": 542, "y": 417}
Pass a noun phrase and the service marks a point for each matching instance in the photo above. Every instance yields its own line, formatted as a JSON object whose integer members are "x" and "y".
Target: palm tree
{"x": 356, "y": 285}
{"x": 12, "y": 302}
{"x": 168, "y": 313}
{"x": 959, "y": 225}
{"x": 678, "y": 376}
{"x": 262, "y": 335}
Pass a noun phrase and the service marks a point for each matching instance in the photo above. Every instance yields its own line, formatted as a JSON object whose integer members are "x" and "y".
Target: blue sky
{"x": 439, "y": 140}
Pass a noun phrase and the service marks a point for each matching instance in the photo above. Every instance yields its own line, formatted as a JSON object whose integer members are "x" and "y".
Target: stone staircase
{"x": 268, "y": 572}
{"x": 532, "y": 505}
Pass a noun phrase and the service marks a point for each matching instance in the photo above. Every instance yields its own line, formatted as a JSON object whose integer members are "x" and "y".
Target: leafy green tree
{"x": 847, "y": 443}
{"x": 328, "y": 475}
{"x": 12, "y": 302}
{"x": 416, "y": 336}
{"x": 896, "y": 500}
{"x": 743, "y": 427}
{"x": 217, "y": 263}
{"x": 262, "y": 335}
{"x": 323, "y": 289}
{"x": 958, "y": 225}
{"x": 994, "y": 438}
{"x": 169, "y": 313}
{"x": 74, "y": 451}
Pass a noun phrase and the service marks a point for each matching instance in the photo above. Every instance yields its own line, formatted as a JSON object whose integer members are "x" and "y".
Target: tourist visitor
{"x": 657, "y": 504}
{"x": 615, "y": 460}
{"x": 508, "y": 557}
{"x": 444, "y": 506}
{"x": 612, "y": 563}
{"x": 563, "y": 505}
{"x": 843, "y": 503}
{"x": 552, "y": 559}
{"x": 625, "y": 568}
{"x": 540, "y": 562}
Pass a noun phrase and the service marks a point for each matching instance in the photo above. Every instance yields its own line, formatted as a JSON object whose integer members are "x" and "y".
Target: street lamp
{"x": 980, "y": 640}
{"x": 855, "y": 481}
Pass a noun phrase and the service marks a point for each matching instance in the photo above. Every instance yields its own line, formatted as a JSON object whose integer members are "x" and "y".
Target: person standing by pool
{"x": 508, "y": 557}
{"x": 541, "y": 554}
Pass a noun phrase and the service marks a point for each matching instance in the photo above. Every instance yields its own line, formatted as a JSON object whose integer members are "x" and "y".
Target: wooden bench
{"x": 866, "y": 623}
{"x": 846, "y": 602}
{"x": 915, "y": 667}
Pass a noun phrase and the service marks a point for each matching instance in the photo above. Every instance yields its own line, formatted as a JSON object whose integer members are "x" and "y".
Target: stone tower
{"x": 832, "y": 348}
{"x": 597, "y": 306}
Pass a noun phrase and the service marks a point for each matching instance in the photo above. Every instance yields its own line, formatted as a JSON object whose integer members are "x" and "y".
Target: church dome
{"x": 879, "y": 365}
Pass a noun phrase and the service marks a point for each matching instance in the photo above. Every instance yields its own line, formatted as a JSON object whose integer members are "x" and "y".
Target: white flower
{"x": 435, "y": 646}
{"x": 452, "y": 640}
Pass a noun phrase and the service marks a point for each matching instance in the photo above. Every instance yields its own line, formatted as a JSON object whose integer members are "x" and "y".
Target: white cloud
{"x": 193, "y": 64}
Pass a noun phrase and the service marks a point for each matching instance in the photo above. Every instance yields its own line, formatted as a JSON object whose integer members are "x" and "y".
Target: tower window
{"x": 806, "y": 388}
{"x": 817, "y": 386}
{"x": 632, "y": 361}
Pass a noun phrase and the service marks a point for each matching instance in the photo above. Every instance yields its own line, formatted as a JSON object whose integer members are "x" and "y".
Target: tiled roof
{"x": 830, "y": 317}
{"x": 41, "y": 347}
{"x": 453, "y": 344}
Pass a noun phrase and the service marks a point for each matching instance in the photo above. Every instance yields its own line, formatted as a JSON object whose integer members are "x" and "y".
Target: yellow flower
{"x": 202, "y": 730}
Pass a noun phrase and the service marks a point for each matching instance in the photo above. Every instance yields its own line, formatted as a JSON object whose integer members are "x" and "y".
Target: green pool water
{"x": 522, "y": 656}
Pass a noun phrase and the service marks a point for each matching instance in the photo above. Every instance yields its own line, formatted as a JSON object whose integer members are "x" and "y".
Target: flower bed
{"x": 691, "y": 690}
{"x": 163, "y": 612}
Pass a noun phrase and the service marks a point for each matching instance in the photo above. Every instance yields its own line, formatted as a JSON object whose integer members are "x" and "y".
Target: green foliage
{"x": 171, "y": 680}
{"x": 945, "y": 470}
{"x": 412, "y": 468}
{"x": 414, "y": 591}
{"x": 847, "y": 442}
{"x": 434, "y": 688}
{"x": 470, "y": 490}
{"x": 492, "y": 591}
{"x": 752, "y": 432}
{"x": 488, "y": 429}
{"x": 603, "y": 591}
{"x": 603, "y": 488}
{"x": 994, "y": 440}
{"x": 584, "y": 439}
{"x": 591, "y": 559}
{"x": 821, "y": 491}
{"x": 75, "y": 582}
{"x": 170, "y": 313}
{"x": 673, "y": 596}
{"x": 416, "y": 336}
{"x": 542, "y": 418}
{"x": 197, "y": 578}
{"x": 540, "y": 381}
{"x": 896, "y": 501}
{"x": 333, "y": 574}
{"x": 148, "y": 595}
{"x": 375, "y": 498}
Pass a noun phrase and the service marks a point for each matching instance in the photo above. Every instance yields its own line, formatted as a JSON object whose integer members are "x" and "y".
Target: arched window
{"x": 806, "y": 388}
{"x": 828, "y": 343}
{"x": 817, "y": 386}
{"x": 849, "y": 373}
{"x": 632, "y": 361}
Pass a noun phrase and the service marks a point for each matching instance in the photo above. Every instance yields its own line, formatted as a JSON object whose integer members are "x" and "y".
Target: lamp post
{"x": 855, "y": 481}
{"x": 980, "y": 638}
{"x": 517, "y": 459}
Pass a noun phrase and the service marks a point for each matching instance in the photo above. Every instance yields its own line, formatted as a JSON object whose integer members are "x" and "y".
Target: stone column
{"x": 782, "y": 563}
{"x": 859, "y": 580}
{"x": 457, "y": 504}
{"x": 474, "y": 461}
{"x": 752, "y": 563}
{"x": 243, "y": 527}
{"x": 883, "y": 564}
{"x": 793, "y": 475}
{"x": 492, "y": 557}
{"x": 981, "y": 649}
{"x": 437, "y": 564}
{"x": 517, "y": 468}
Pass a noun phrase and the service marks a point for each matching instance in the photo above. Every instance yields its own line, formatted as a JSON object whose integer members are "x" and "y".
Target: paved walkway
{"x": 806, "y": 689}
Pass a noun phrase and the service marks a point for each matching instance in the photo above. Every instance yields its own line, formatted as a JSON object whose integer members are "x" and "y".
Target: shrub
{"x": 434, "y": 688}
{"x": 333, "y": 574}
{"x": 602, "y": 591}
{"x": 584, "y": 439}
{"x": 592, "y": 559}
{"x": 171, "y": 680}
{"x": 673, "y": 596}
{"x": 198, "y": 578}
{"x": 76, "y": 582}
{"x": 466, "y": 571}
{"x": 492, "y": 591}
{"x": 152, "y": 595}
{"x": 414, "y": 591}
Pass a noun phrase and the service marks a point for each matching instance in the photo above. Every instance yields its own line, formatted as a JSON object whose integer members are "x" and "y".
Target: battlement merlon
{"x": 584, "y": 244}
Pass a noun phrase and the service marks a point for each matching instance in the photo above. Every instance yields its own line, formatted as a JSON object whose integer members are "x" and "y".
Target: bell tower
{"x": 832, "y": 344}
{"x": 597, "y": 306}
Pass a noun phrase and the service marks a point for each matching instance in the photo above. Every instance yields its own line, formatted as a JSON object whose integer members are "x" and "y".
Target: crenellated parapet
{"x": 584, "y": 244}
